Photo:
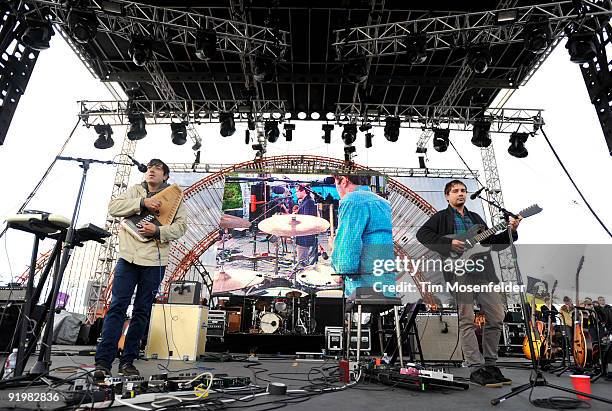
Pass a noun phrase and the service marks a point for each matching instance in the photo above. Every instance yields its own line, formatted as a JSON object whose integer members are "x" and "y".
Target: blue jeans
{"x": 127, "y": 277}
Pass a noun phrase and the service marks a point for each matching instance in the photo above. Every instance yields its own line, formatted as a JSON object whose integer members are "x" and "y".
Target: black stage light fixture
{"x": 480, "y": 133}
{"x": 357, "y": 70}
{"x": 140, "y": 51}
{"x": 517, "y": 145}
{"x": 247, "y": 136}
{"x": 271, "y": 131}
{"x": 37, "y": 34}
{"x": 137, "y": 126}
{"x": 327, "y": 129}
{"x": 250, "y": 122}
{"x": 196, "y": 147}
{"x": 83, "y": 25}
{"x": 348, "y": 153}
{"x": 392, "y": 128}
{"x": 440, "y": 139}
{"x": 581, "y": 47}
{"x": 289, "y": 131}
{"x": 349, "y": 133}
{"x": 368, "y": 140}
{"x": 416, "y": 49}
{"x": 422, "y": 162}
{"x": 263, "y": 70}
{"x": 179, "y": 133}
{"x": 479, "y": 59}
{"x": 506, "y": 16}
{"x": 536, "y": 36}
{"x": 205, "y": 44}
{"x": 227, "y": 124}
{"x": 104, "y": 139}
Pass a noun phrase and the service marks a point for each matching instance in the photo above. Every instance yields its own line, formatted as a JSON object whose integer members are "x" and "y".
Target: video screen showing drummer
{"x": 307, "y": 245}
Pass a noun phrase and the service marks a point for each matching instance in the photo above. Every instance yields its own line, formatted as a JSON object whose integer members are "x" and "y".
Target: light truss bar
{"x": 460, "y": 30}
{"x": 115, "y": 112}
{"x": 460, "y": 118}
{"x": 177, "y": 27}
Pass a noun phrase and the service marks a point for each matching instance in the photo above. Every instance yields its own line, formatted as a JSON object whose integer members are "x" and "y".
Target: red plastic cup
{"x": 582, "y": 383}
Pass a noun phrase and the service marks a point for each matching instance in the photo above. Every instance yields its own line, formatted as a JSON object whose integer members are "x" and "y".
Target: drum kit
{"x": 281, "y": 303}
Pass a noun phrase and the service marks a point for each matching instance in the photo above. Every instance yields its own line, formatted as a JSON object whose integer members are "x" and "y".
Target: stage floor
{"x": 363, "y": 396}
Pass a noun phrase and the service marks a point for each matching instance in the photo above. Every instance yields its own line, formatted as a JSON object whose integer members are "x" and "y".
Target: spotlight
{"x": 37, "y": 34}
{"x": 289, "y": 131}
{"x": 357, "y": 71}
{"x": 479, "y": 59}
{"x": 205, "y": 44}
{"x": 263, "y": 70}
{"x": 140, "y": 51}
{"x": 368, "y": 140}
{"x": 348, "y": 153}
{"x": 537, "y": 37}
{"x": 247, "y": 136}
{"x": 517, "y": 145}
{"x": 327, "y": 129}
{"x": 196, "y": 147}
{"x": 179, "y": 133}
{"x": 271, "y": 131}
{"x": 250, "y": 122}
{"x": 506, "y": 16}
{"x": 104, "y": 139}
{"x": 137, "y": 126}
{"x": 480, "y": 133}
{"x": 581, "y": 47}
{"x": 227, "y": 124}
{"x": 392, "y": 128}
{"x": 349, "y": 133}
{"x": 416, "y": 48}
{"x": 83, "y": 25}
{"x": 440, "y": 139}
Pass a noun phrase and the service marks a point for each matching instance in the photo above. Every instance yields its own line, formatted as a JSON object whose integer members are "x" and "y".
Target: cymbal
{"x": 293, "y": 225}
{"x": 230, "y": 221}
{"x": 261, "y": 305}
{"x": 232, "y": 279}
{"x": 293, "y": 294}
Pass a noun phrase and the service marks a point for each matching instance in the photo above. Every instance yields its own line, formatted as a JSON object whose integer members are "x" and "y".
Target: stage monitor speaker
{"x": 185, "y": 292}
{"x": 438, "y": 335}
{"x": 177, "y": 332}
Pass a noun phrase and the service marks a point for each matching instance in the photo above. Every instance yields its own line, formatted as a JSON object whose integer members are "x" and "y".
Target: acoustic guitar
{"x": 549, "y": 348}
{"x": 582, "y": 347}
{"x": 537, "y": 335}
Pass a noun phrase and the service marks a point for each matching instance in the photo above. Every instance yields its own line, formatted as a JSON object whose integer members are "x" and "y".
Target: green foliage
{"x": 232, "y": 196}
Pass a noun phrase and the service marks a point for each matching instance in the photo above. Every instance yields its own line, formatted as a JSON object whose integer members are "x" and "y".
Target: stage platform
{"x": 363, "y": 396}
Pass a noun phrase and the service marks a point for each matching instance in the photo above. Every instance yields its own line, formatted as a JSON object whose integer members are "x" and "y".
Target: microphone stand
{"x": 536, "y": 379}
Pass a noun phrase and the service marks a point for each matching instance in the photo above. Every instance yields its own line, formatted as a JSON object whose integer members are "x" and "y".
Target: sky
{"x": 48, "y": 111}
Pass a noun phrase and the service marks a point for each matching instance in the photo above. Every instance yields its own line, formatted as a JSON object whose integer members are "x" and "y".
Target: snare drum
{"x": 269, "y": 323}
{"x": 319, "y": 277}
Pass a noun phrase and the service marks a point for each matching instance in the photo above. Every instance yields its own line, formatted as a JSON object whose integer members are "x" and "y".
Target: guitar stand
{"x": 536, "y": 379}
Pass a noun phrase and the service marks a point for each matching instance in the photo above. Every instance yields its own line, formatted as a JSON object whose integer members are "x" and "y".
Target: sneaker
{"x": 484, "y": 378}
{"x": 128, "y": 370}
{"x": 497, "y": 374}
{"x": 101, "y": 372}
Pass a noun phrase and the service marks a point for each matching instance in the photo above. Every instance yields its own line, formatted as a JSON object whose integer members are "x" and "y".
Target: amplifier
{"x": 184, "y": 292}
{"x": 333, "y": 338}
{"x": 439, "y": 337}
{"x": 12, "y": 294}
{"x": 216, "y": 323}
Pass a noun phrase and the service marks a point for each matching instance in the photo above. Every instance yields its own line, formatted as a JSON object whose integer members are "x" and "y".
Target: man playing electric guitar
{"x": 457, "y": 219}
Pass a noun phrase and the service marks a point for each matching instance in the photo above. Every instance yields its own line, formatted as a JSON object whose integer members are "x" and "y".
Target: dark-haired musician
{"x": 457, "y": 219}
{"x": 141, "y": 266}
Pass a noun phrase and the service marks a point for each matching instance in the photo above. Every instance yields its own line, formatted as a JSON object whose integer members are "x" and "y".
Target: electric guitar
{"x": 582, "y": 347}
{"x": 477, "y": 233}
{"x": 537, "y": 329}
{"x": 548, "y": 349}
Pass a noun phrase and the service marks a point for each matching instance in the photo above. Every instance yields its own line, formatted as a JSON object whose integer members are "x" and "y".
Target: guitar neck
{"x": 488, "y": 233}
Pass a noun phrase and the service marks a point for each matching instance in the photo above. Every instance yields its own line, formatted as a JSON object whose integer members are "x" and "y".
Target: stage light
{"x": 137, "y": 126}
{"x": 83, "y": 25}
{"x": 581, "y": 47}
{"x": 315, "y": 115}
{"x": 348, "y": 153}
{"x": 416, "y": 50}
{"x": 197, "y": 146}
{"x": 480, "y": 133}
{"x": 37, "y": 34}
{"x": 263, "y": 70}
{"x": 422, "y": 162}
{"x": 517, "y": 145}
{"x": 440, "y": 139}
{"x": 327, "y": 129}
{"x": 357, "y": 70}
{"x": 104, "y": 139}
{"x": 271, "y": 131}
{"x": 368, "y": 140}
{"x": 227, "y": 124}
{"x": 140, "y": 51}
{"x": 289, "y": 131}
{"x": 179, "y": 133}
{"x": 349, "y": 133}
{"x": 205, "y": 44}
{"x": 506, "y": 16}
{"x": 392, "y": 128}
{"x": 479, "y": 59}
{"x": 537, "y": 37}
{"x": 247, "y": 136}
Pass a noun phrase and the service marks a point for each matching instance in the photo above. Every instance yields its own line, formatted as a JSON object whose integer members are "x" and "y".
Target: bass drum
{"x": 269, "y": 323}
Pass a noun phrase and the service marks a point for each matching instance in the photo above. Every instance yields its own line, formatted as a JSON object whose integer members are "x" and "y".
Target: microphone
{"x": 477, "y": 193}
{"x": 141, "y": 167}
